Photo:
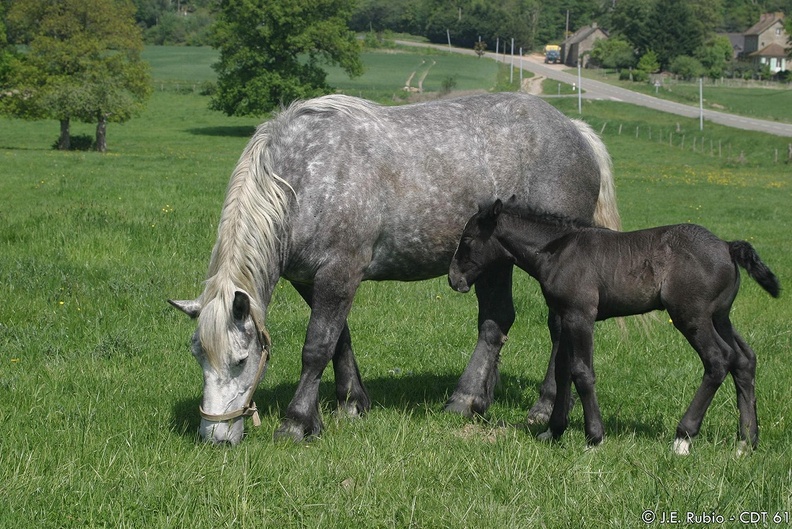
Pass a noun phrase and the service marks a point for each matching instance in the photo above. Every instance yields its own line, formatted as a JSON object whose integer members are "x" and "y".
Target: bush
{"x": 638, "y": 76}
{"x": 687, "y": 68}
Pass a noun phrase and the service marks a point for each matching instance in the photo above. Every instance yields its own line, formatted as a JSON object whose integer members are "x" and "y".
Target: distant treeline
{"x": 531, "y": 23}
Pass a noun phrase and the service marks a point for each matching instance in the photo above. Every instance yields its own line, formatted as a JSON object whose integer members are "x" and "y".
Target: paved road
{"x": 598, "y": 90}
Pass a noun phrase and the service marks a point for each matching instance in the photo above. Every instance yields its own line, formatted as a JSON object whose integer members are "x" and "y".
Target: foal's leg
{"x": 331, "y": 300}
{"x": 713, "y": 352}
{"x": 541, "y": 410}
{"x": 743, "y": 371}
{"x": 351, "y": 394}
{"x": 475, "y": 389}
{"x": 575, "y": 363}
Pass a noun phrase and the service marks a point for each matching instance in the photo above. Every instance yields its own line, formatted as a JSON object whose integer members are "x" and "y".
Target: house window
{"x": 778, "y": 32}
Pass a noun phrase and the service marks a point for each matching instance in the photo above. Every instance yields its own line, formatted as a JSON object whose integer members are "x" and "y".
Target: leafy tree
{"x": 648, "y": 62}
{"x": 715, "y": 56}
{"x": 271, "y": 51}
{"x": 83, "y": 62}
{"x": 615, "y": 53}
{"x": 675, "y": 30}
{"x": 634, "y": 21}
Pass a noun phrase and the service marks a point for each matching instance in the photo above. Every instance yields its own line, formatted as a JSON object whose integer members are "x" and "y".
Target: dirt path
{"x": 533, "y": 85}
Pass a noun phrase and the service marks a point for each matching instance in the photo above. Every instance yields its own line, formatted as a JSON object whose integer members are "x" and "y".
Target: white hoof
{"x": 743, "y": 449}
{"x": 682, "y": 447}
{"x": 546, "y": 436}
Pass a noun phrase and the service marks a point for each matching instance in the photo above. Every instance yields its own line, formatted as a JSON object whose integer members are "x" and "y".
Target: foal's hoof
{"x": 744, "y": 449}
{"x": 682, "y": 446}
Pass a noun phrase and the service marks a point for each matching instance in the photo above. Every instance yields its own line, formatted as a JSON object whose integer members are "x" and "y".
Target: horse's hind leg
{"x": 743, "y": 371}
{"x": 351, "y": 394}
{"x": 476, "y": 387}
{"x": 713, "y": 353}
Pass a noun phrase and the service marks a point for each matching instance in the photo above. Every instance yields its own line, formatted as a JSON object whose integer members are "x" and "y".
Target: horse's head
{"x": 477, "y": 248}
{"x": 232, "y": 347}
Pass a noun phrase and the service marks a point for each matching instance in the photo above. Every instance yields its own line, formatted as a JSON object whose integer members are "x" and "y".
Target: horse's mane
{"x": 545, "y": 217}
{"x": 251, "y": 233}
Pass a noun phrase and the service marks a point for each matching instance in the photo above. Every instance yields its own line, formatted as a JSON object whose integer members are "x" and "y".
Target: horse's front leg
{"x": 575, "y": 364}
{"x": 351, "y": 394}
{"x": 541, "y": 410}
{"x": 330, "y": 302}
{"x": 476, "y": 387}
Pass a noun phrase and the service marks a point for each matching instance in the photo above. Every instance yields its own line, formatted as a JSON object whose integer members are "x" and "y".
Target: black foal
{"x": 589, "y": 274}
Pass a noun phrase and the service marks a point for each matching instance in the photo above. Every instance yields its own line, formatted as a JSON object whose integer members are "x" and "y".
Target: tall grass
{"x": 99, "y": 394}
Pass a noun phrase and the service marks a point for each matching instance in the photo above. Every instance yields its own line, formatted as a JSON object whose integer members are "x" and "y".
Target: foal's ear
{"x": 191, "y": 308}
{"x": 241, "y": 306}
{"x": 495, "y": 210}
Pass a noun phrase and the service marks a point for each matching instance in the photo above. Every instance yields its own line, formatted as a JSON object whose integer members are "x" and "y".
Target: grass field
{"x": 99, "y": 394}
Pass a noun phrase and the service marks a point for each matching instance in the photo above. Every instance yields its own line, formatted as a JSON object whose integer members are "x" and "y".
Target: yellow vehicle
{"x": 552, "y": 54}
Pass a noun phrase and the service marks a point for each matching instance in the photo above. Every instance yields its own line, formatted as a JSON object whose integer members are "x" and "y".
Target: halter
{"x": 249, "y": 409}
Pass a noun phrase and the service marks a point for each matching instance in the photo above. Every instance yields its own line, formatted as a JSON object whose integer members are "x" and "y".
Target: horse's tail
{"x": 606, "y": 213}
{"x": 745, "y": 255}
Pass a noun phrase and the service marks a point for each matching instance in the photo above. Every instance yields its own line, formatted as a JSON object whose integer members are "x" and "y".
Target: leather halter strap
{"x": 249, "y": 409}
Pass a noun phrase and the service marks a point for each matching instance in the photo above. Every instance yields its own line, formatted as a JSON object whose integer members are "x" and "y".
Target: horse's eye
{"x": 241, "y": 362}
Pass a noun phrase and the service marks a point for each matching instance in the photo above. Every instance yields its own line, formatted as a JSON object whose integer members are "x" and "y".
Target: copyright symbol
{"x": 648, "y": 516}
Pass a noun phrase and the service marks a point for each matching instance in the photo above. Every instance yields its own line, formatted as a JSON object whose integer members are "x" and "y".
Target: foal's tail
{"x": 744, "y": 255}
{"x": 606, "y": 213}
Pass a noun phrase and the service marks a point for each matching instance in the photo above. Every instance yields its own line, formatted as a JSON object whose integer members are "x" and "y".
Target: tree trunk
{"x": 101, "y": 133}
{"x": 64, "y": 142}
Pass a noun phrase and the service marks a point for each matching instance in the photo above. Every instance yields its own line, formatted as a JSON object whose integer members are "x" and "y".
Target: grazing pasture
{"x": 99, "y": 394}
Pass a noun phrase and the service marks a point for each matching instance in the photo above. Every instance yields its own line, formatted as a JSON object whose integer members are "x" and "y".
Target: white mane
{"x": 251, "y": 230}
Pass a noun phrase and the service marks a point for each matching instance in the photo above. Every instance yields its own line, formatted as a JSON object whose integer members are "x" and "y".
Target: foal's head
{"x": 478, "y": 248}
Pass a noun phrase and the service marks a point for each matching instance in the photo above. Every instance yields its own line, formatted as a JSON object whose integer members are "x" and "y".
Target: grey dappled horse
{"x": 337, "y": 190}
{"x": 589, "y": 274}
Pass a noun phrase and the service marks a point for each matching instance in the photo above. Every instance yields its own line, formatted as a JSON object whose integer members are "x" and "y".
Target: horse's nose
{"x": 460, "y": 285}
{"x": 222, "y": 433}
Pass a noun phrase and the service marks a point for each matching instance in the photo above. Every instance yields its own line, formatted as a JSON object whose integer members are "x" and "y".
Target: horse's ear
{"x": 191, "y": 308}
{"x": 512, "y": 200}
{"x": 496, "y": 209}
{"x": 241, "y": 305}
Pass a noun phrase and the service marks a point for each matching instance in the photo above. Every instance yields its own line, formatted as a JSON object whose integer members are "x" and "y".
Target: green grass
{"x": 387, "y": 73}
{"x": 99, "y": 394}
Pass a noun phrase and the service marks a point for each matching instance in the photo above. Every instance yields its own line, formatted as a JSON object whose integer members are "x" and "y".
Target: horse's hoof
{"x": 539, "y": 413}
{"x": 743, "y": 449}
{"x": 546, "y": 436}
{"x": 682, "y": 446}
{"x": 537, "y": 417}
{"x": 350, "y": 410}
{"x": 463, "y": 405}
{"x": 289, "y": 431}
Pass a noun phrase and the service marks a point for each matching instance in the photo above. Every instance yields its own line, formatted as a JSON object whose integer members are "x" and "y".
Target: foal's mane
{"x": 251, "y": 234}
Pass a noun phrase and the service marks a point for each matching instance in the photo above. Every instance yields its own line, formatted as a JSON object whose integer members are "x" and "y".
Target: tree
{"x": 271, "y": 51}
{"x": 715, "y": 56}
{"x": 648, "y": 62}
{"x": 675, "y": 30}
{"x": 633, "y": 20}
{"x": 615, "y": 53}
{"x": 83, "y": 62}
